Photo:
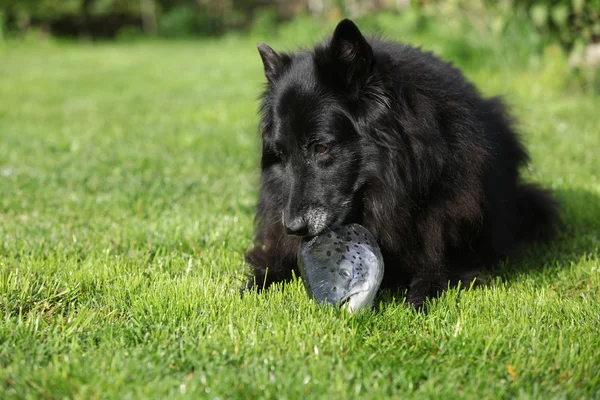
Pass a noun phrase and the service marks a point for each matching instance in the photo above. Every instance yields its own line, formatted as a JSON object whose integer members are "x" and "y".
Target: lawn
{"x": 128, "y": 178}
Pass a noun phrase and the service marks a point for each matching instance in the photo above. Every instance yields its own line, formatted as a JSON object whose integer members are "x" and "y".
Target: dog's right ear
{"x": 352, "y": 53}
{"x": 273, "y": 62}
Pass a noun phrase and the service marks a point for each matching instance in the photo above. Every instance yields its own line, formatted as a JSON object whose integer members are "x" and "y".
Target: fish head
{"x": 343, "y": 267}
{"x": 364, "y": 286}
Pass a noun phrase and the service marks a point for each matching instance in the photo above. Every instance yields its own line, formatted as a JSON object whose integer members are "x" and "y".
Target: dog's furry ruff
{"x": 436, "y": 180}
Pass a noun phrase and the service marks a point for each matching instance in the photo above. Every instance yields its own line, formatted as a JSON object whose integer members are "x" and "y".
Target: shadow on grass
{"x": 578, "y": 238}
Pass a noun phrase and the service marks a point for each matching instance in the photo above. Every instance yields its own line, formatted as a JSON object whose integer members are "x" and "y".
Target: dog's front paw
{"x": 249, "y": 286}
{"x": 417, "y": 302}
{"x": 422, "y": 289}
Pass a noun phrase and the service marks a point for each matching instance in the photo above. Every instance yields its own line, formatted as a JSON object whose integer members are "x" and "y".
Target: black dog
{"x": 390, "y": 137}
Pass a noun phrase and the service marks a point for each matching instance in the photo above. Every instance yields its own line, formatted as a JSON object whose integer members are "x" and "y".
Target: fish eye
{"x": 320, "y": 148}
{"x": 345, "y": 273}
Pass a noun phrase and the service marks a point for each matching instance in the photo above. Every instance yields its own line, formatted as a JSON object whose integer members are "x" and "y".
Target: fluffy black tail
{"x": 537, "y": 214}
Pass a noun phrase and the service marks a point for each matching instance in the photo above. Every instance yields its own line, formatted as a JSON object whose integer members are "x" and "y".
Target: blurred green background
{"x": 569, "y": 21}
{"x": 571, "y": 25}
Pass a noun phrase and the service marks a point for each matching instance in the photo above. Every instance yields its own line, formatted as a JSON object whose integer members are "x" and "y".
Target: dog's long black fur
{"x": 390, "y": 137}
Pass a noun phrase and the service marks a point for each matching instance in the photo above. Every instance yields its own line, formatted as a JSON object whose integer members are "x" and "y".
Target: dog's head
{"x": 311, "y": 141}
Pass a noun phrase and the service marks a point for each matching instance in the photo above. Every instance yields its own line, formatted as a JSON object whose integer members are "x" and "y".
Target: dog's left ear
{"x": 352, "y": 54}
{"x": 273, "y": 62}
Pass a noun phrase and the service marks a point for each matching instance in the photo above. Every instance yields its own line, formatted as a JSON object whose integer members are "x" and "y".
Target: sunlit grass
{"x": 128, "y": 177}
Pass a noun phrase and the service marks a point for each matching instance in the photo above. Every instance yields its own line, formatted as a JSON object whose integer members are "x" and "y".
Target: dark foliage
{"x": 569, "y": 22}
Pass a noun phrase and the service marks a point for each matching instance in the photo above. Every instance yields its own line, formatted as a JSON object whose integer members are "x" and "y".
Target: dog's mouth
{"x": 319, "y": 219}
{"x": 342, "y": 216}
{"x": 318, "y": 230}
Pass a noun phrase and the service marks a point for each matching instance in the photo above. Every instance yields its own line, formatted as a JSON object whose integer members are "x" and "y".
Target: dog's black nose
{"x": 296, "y": 226}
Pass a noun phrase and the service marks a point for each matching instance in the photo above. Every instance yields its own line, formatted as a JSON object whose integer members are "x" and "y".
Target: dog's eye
{"x": 320, "y": 148}
{"x": 279, "y": 154}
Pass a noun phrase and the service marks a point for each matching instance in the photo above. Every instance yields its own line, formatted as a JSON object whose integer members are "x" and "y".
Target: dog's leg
{"x": 429, "y": 275}
{"x": 424, "y": 286}
{"x": 273, "y": 259}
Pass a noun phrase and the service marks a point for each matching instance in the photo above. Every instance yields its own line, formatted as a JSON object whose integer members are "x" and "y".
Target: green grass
{"x": 128, "y": 177}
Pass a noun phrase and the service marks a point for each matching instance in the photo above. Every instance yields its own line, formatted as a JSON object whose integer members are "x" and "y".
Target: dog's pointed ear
{"x": 273, "y": 62}
{"x": 352, "y": 53}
